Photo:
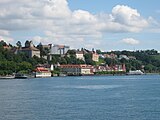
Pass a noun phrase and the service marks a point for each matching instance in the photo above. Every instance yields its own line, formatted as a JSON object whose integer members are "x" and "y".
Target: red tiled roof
{"x": 41, "y": 69}
{"x": 76, "y": 66}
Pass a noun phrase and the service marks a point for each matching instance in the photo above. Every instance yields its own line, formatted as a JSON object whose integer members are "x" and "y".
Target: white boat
{"x": 135, "y": 72}
{"x": 7, "y": 77}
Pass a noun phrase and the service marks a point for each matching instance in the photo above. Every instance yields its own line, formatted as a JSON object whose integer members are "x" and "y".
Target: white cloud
{"x": 154, "y": 25}
{"x": 62, "y": 25}
{"x": 37, "y": 39}
{"x": 128, "y": 16}
{"x": 130, "y": 41}
{"x": 4, "y": 32}
{"x": 6, "y": 39}
{"x": 4, "y": 35}
{"x": 123, "y": 19}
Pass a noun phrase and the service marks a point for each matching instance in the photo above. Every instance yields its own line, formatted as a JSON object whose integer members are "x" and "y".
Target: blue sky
{"x": 147, "y": 8}
{"x": 100, "y": 24}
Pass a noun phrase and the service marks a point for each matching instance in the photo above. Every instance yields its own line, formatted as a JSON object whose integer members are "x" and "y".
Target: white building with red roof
{"x": 42, "y": 72}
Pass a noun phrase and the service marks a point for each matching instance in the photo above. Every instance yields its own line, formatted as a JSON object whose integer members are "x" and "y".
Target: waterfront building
{"x": 77, "y": 69}
{"x": 41, "y": 72}
{"x": 118, "y": 68}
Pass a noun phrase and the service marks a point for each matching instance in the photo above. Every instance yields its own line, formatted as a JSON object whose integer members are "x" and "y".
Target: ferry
{"x": 20, "y": 76}
{"x": 135, "y": 72}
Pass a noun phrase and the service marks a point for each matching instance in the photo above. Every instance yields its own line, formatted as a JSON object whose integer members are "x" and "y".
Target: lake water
{"x": 81, "y": 98}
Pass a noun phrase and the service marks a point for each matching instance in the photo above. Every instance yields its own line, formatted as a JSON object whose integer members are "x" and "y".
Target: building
{"x": 30, "y": 50}
{"x": 80, "y": 55}
{"x": 118, "y": 68}
{"x": 123, "y": 57}
{"x": 77, "y": 69}
{"x": 95, "y": 57}
{"x": 59, "y": 49}
{"x": 112, "y": 56}
{"x": 132, "y": 57}
{"x": 41, "y": 72}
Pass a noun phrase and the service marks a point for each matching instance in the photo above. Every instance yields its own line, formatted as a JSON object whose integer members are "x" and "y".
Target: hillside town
{"x": 60, "y": 60}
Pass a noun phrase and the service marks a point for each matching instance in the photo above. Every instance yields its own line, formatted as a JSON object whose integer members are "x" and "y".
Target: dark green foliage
{"x": 19, "y": 44}
{"x": 43, "y": 51}
{"x": 71, "y": 59}
{"x": 71, "y": 52}
{"x": 2, "y": 43}
{"x": 11, "y": 63}
{"x": 150, "y": 59}
{"x": 88, "y": 59}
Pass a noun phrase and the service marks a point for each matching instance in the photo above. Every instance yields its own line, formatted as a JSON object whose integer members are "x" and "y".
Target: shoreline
{"x": 13, "y": 77}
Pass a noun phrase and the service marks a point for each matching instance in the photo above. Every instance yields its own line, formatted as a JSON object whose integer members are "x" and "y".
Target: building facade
{"x": 30, "y": 50}
{"x": 59, "y": 49}
{"x": 95, "y": 57}
{"x": 41, "y": 72}
{"x": 77, "y": 69}
{"x": 80, "y": 55}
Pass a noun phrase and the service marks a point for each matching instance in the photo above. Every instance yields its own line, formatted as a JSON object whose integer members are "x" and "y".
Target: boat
{"x": 7, "y": 77}
{"x": 62, "y": 75}
{"x": 20, "y": 76}
{"x": 135, "y": 72}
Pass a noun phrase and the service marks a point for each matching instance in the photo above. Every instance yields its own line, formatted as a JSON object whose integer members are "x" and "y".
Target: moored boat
{"x": 135, "y": 72}
{"x": 7, "y": 77}
{"x": 20, "y": 76}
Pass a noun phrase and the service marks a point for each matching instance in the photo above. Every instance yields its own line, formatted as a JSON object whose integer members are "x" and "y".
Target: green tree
{"x": 25, "y": 66}
{"x": 19, "y": 44}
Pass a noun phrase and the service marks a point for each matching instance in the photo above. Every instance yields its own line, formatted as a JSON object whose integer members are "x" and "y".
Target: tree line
{"x": 147, "y": 60}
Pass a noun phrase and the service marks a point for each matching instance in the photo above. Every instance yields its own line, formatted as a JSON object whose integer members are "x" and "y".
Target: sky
{"x": 99, "y": 24}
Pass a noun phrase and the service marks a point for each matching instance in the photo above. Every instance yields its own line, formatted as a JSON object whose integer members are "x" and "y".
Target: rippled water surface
{"x": 81, "y": 98}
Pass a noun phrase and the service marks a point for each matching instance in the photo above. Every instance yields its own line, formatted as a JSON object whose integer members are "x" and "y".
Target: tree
{"x": 27, "y": 43}
{"x": 53, "y": 61}
{"x": 98, "y": 51}
{"x": 88, "y": 59}
{"x": 19, "y": 44}
{"x": 71, "y": 52}
{"x": 43, "y": 51}
{"x": 3, "y": 43}
{"x": 63, "y": 61}
{"x": 149, "y": 68}
{"x": 25, "y": 66}
{"x": 108, "y": 61}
